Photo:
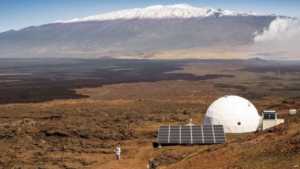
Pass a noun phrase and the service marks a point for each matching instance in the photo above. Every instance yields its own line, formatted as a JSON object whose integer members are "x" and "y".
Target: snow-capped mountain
{"x": 136, "y": 31}
{"x": 160, "y": 12}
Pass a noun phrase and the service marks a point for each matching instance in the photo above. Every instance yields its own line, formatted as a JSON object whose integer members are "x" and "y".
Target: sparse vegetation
{"x": 82, "y": 132}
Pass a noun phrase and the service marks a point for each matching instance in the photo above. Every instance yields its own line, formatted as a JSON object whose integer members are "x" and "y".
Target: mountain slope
{"x": 145, "y": 30}
{"x": 161, "y": 12}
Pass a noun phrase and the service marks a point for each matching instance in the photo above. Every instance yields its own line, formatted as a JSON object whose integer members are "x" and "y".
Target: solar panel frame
{"x": 197, "y": 135}
{"x": 163, "y": 135}
{"x": 219, "y": 134}
{"x": 174, "y": 134}
{"x": 187, "y": 135}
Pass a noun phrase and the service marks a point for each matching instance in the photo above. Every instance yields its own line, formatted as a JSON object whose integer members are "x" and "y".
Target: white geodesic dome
{"x": 236, "y": 114}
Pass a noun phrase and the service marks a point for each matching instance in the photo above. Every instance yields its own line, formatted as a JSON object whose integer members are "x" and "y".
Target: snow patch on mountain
{"x": 160, "y": 12}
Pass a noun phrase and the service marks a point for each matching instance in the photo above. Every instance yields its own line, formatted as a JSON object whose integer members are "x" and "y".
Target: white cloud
{"x": 282, "y": 35}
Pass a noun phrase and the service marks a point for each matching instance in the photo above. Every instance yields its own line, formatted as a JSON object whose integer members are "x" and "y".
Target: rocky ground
{"x": 82, "y": 133}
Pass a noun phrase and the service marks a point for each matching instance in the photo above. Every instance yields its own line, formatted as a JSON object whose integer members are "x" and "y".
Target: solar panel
{"x": 207, "y": 134}
{"x": 269, "y": 115}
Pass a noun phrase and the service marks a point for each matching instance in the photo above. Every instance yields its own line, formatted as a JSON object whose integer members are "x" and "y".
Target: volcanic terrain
{"x": 64, "y": 114}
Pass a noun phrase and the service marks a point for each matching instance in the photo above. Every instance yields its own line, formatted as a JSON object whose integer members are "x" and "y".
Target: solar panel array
{"x": 207, "y": 134}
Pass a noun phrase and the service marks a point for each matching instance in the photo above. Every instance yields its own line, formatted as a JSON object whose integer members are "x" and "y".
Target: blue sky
{"x": 16, "y": 14}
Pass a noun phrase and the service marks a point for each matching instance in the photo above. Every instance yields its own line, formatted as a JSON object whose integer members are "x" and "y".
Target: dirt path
{"x": 132, "y": 158}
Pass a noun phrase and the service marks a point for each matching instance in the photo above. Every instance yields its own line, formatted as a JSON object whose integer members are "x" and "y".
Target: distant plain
{"x": 70, "y": 113}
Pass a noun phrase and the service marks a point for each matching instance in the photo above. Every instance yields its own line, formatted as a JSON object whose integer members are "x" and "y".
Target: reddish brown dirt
{"x": 81, "y": 134}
